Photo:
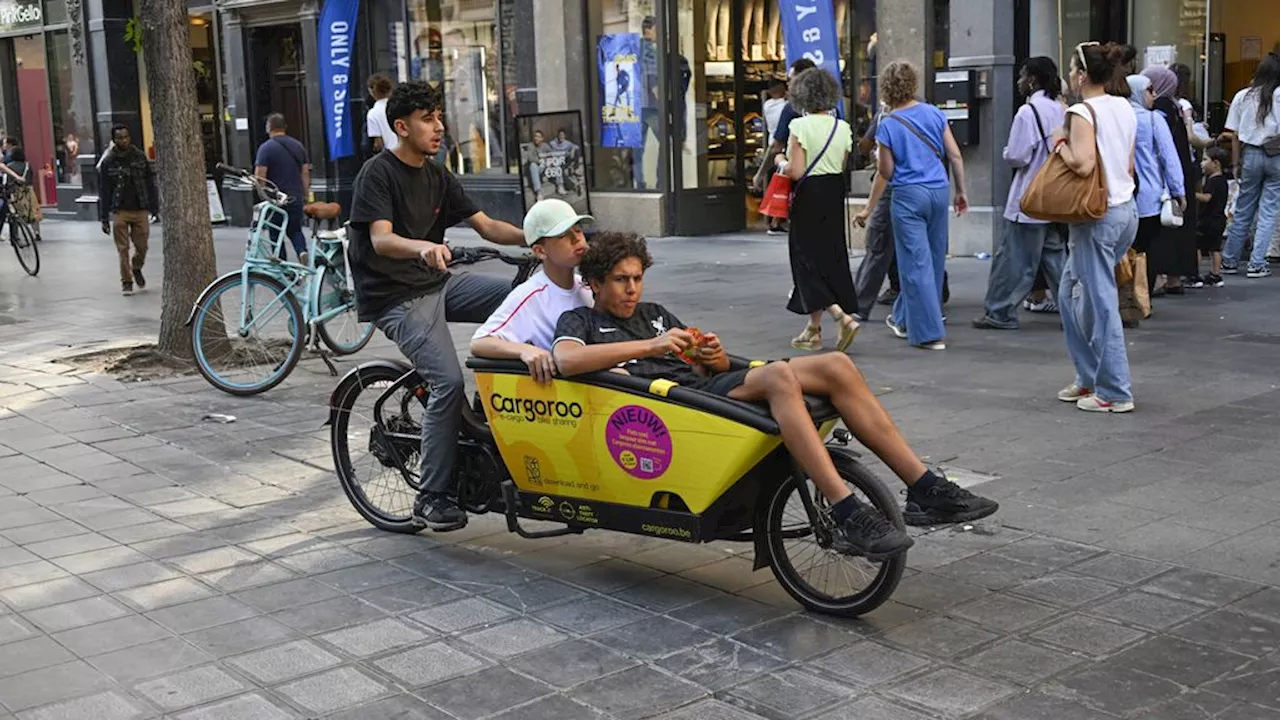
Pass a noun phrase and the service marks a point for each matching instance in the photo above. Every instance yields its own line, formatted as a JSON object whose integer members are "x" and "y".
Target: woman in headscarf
{"x": 1174, "y": 256}
{"x": 1159, "y": 171}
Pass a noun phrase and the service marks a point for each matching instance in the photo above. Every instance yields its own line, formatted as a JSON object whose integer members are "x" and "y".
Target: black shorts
{"x": 721, "y": 383}
{"x": 1209, "y": 236}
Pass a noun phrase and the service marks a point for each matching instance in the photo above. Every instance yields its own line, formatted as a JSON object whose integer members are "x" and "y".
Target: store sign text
{"x": 809, "y": 31}
{"x": 337, "y": 33}
{"x": 16, "y": 15}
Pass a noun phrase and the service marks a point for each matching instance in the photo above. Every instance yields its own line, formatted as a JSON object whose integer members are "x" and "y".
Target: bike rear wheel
{"x": 817, "y": 576}
{"x": 23, "y": 238}
{"x": 258, "y": 356}
{"x": 375, "y": 438}
{"x": 344, "y": 334}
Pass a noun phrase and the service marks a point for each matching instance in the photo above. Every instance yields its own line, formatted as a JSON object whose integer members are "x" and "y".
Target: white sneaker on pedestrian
{"x": 1093, "y": 403}
{"x": 1073, "y": 392}
{"x": 898, "y": 331}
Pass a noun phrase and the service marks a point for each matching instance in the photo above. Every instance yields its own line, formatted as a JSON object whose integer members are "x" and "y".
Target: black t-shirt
{"x": 1213, "y": 214}
{"x": 592, "y": 327}
{"x": 420, "y": 203}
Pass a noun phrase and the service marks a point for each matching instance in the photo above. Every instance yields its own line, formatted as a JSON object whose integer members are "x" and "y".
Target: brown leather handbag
{"x": 1058, "y": 194}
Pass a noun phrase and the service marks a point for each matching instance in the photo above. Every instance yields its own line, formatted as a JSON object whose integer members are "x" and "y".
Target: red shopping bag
{"x": 776, "y": 202}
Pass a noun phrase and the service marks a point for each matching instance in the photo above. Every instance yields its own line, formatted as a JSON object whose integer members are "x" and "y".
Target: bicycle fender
{"x": 205, "y": 293}
{"x": 352, "y": 379}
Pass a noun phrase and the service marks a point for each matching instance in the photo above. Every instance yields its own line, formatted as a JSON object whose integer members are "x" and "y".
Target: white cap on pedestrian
{"x": 551, "y": 218}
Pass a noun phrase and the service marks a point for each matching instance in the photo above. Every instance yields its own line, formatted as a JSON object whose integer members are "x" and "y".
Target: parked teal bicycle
{"x": 250, "y": 327}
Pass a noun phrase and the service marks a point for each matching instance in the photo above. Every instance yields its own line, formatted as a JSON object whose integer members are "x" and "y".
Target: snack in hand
{"x": 690, "y": 354}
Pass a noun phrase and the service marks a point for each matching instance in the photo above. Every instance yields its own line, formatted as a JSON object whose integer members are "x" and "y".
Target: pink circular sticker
{"x": 638, "y": 441}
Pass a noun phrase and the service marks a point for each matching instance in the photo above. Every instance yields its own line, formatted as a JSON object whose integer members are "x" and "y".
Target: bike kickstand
{"x": 333, "y": 369}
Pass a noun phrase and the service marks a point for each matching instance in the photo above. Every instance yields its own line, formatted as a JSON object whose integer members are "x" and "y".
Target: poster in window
{"x": 552, "y": 164}
{"x": 621, "y": 90}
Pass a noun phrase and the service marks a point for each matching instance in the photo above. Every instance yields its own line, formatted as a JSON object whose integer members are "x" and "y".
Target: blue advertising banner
{"x": 337, "y": 34}
{"x": 622, "y": 87}
{"x": 809, "y": 31}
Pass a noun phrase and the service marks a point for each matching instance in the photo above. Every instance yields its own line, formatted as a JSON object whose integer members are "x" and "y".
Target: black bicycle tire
{"x": 295, "y": 352}
{"x": 886, "y": 580}
{"x": 323, "y": 330}
{"x": 16, "y": 226}
{"x": 341, "y": 454}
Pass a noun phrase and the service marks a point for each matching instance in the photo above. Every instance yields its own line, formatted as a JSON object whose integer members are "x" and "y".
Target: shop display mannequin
{"x": 773, "y": 33}
{"x": 753, "y": 28}
{"x": 719, "y": 22}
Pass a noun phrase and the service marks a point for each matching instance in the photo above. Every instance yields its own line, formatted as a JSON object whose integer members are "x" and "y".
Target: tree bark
{"x": 189, "y": 262}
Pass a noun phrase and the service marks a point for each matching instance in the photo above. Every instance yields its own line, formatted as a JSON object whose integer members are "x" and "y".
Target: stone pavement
{"x": 154, "y": 565}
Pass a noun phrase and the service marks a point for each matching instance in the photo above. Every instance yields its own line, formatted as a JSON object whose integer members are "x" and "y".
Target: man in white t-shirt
{"x": 523, "y": 327}
{"x": 376, "y": 125}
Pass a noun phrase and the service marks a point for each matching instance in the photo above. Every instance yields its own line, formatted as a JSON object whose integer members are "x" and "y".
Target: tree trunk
{"x": 189, "y": 262}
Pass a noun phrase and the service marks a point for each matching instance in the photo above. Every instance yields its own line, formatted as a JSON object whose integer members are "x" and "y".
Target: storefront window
{"x": 68, "y": 128}
{"x": 55, "y": 12}
{"x": 626, "y": 75}
{"x": 1169, "y": 32}
{"x": 455, "y": 46}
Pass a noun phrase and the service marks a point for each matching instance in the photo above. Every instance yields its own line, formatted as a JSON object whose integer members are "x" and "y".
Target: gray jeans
{"x": 1024, "y": 249}
{"x": 420, "y": 329}
{"x": 875, "y": 264}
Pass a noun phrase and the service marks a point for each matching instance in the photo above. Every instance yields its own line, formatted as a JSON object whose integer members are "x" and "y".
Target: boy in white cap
{"x": 523, "y": 327}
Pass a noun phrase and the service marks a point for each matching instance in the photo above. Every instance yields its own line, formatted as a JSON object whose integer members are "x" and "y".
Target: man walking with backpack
{"x": 283, "y": 160}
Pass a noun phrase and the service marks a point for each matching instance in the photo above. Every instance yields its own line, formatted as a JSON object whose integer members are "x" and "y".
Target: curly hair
{"x": 814, "y": 91}
{"x": 899, "y": 83}
{"x": 410, "y": 97}
{"x": 610, "y": 248}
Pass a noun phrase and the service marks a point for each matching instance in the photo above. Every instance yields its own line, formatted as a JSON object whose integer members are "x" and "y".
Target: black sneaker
{"x": 1212, "y": 280}
{"x": 140, "y": 281}
{"x": 438, "y": 512}
{"x": 126, "y": 289}
{"x": 871, "y": 535}
{"x": 946, "y": 502}
{"x": 1193, "y": 281}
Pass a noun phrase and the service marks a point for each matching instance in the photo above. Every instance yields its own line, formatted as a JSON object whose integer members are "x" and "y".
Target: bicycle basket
{"x": 25, "y": 205}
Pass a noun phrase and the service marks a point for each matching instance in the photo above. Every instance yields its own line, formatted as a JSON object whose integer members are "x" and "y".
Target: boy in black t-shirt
{"x": 1213, "y": 212}
{"x": 401, "y": 206}
{"x": 644, "y": 339}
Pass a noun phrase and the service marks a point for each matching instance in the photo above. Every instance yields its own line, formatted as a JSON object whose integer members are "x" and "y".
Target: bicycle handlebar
{"x": 472, "y": 255}
{"x": 267, "y": 190}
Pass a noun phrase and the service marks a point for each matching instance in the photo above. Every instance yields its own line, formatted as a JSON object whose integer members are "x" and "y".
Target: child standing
{"x": 1213, "y": 213}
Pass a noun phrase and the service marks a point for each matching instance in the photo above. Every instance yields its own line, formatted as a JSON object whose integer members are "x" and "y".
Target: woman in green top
{"x": 815, "y": 161}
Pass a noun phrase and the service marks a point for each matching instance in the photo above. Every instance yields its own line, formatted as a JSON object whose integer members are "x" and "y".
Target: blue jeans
{"x": 920, "y": 244}
{"x": 294, "y": 230}
{"x": 648, "y": 119}
{"x": 1260, "y": 196}
{"x": 1025, "y": 248}
{"x": 1090, "y": 305}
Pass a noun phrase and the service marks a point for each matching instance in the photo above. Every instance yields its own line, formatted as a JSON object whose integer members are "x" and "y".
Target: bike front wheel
{"x": 343, "y": 333}
{"x": 247, "y": 338}
{"x": 23, "y": 238}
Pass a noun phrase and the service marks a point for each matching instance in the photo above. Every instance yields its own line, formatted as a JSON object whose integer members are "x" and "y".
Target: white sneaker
{"x": 1074, "y": 392}
{"x": 935, "y": 345}
{"x": 898, "y": 330}
{"x": 1093, "y": 403}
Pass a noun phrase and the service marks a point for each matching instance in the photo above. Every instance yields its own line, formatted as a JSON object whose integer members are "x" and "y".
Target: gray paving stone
{"x": 513, "y": 638}
{"x": 322, "y": 560}
{"x": 1198, "y": 705}
{"x": 1146, "y": 610}
{"x": 111, "y": 635}
{"x": 720, "y": 664}
{"x": 163, "y": 594}
{"x": 140, "y": 662}
{"x": 1233, "y": 631}
{"x": 571, "y": 663}
{"x": 411, "y": 595}
{"x": 556, "y": 707}
{"x": 293, "y": 543}
{"x": 935, "y": 592}
{"x": 396, "y": 707}
{"x": 192, "y": 687}
{"x": 535, "y": 595}
{"x": 991, "y": 571}
{"x": 1065, "y": 589}
{"x": 786, "y": 693}
{"x": 360, "y": 578}
{"x": 1120, "y": 690}
{"x": 1022, "y": 662}
{"x": 952, "y": 691}
{"x": 50, "y": 592}
{"x": 245, "y": 707}
{"x": 241, "y": 637}
{"x": 666, "y": 593}
{"x": 1003, "y": 613}
{"x": 796, "y": 638}
{"x": 56, "y": 618}
{"x": 284, "y": 662}
{"x": 213, "y": 559}
{"x": 1264, "y": 603}
{"x": 88, "y": 562}
{"x": 201, "y": 614}
{"x": 591, "y": 615}
{"x": 51, "y": 684}
{"x": 489, "y": 691}
{"x": 28, "y": 573}
{"x": 938, "y": 636}
{"x": 461, "y": 615}
{"x": 725, "y": 614}
{"x": 636, "y": 693}
{"x": 1183, "y": 662}
{"x": 1201, "y": 587}
{"x": 244, "y": 577}
{"x": 174, "y": 545}
{"x": 333, "y": 690}
{"x": 428, "y": 664}
{"x": 292, "y": 593}
{"x": 328, "y": 615}
{"x": 31, "y": 654}
{"x": 653, "y": 638}
{"x": 1039, "y": 706}
{"x": 59, "y": 547}
{"x": 868, "y": 663}
{"x": 146, "y": 532}
{"x": 374, "y": 637}
{"x": 1258, "y": 682}
{"x": 100, "y": 706}
{"x": 13, "y": 628}
{"x": 1088, "y": 635}
{"x": 41, "y": 532}
{"x": 128, "y": 576}
{"x": 865, "y": 708}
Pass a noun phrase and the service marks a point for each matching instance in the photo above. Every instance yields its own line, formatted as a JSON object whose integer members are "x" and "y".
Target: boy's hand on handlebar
{"x": 541, "y": 364}
{"x": 436, "y": 255}
{"x": 673, "y": 341}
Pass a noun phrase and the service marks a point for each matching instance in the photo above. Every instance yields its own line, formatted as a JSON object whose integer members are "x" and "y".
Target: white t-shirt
{"x": 1242, "y": 118}
{"x": 772, "y": 114}
{"x": 1116, "y": 130}
{"x": 531, "y": 311}
{"x": 377, "y": 126}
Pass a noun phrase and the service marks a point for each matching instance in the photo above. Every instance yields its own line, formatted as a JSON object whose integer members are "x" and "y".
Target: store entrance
{"x": 277, "y": 65}
{"x": 722, "y": 57}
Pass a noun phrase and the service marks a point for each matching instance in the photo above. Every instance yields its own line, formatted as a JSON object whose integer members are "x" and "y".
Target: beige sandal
{"x": 810, "y": 339}
{"x": 849, "y": 327}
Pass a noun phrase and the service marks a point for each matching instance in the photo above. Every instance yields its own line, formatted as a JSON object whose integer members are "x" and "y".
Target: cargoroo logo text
{"x": 532, "y": 410}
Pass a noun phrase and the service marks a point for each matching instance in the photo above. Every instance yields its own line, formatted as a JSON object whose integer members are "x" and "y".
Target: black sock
{"x": 843, "y": 509}
{"x": 926, "y": 481}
